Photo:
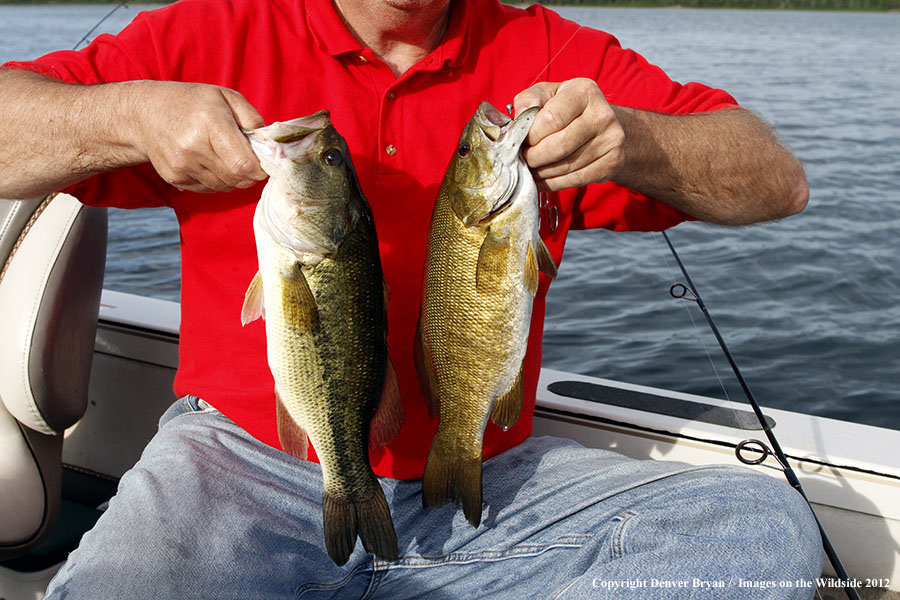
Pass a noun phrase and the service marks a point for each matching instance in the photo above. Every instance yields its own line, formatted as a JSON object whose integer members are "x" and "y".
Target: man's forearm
{"x": 53, "y": 134}
{"x": 724, "y": 167}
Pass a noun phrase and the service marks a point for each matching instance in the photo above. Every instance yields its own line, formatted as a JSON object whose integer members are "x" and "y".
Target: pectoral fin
{"x": 509, "y": 405}
{"x": 531, "y": 272}
{"x": 298, "y": 301}
{"x": 385, "y": 425}
{"x": 492, "y": 263}
{"x": 253, "y": 307}
{"x": 291, "y": 433}
{"x": 537, "y": 259}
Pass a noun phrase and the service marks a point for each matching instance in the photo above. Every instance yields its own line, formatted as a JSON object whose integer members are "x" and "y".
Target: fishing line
{"x": 509, "y": 107}
{"x": 690, "y": 315}
{"x": 774, "y": 447}
{"x": 555, "y": 56}
{"x": 100, "y": 22}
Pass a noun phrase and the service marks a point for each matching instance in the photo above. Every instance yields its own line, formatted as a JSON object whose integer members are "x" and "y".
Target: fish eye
{"x": 333, "y": 157}
{"x": 464, "y": 149}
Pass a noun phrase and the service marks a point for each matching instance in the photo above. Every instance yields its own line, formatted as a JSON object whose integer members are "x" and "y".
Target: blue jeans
{"x": 209, "y": 512}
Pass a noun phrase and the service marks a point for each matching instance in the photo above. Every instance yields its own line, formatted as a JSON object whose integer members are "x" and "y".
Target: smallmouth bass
{"x": 481, "y": 276}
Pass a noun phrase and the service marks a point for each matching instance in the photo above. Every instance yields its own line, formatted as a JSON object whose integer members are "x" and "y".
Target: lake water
{"x": 809, "y": 306}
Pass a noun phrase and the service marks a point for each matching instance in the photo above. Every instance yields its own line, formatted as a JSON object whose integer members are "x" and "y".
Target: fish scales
{"x": 480, "y": 280}
{"x": 320, "y": 289}
{"x": 480, "y": 329}
{"x": 341, "y": 359}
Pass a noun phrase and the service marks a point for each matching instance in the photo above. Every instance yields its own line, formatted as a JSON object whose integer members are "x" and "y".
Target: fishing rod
{"x": 688, "y": 291}
{"x": 100, "y": 22}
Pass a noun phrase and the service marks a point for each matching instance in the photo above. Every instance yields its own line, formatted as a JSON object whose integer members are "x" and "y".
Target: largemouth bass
{"x": 481, "y": 276}
{"x": 320, "y": 290}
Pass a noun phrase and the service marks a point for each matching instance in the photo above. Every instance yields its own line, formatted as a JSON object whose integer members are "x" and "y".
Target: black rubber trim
{"x": 661, "y": 405}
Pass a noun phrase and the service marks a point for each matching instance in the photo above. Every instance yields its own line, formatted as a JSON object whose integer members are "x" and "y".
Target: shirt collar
{"x": 333, "y": 38}
{"x": 328, "y": 29}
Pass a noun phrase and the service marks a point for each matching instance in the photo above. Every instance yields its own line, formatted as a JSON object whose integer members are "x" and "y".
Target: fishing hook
{"x": 544, "y": 204}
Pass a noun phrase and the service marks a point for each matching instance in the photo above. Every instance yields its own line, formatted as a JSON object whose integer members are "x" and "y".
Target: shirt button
{"x": 390, "y": 95}
{"x": 362, "y": 58}
{"x": 390, "y": 149}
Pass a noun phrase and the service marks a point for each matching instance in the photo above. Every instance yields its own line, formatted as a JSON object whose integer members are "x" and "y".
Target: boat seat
{"x": 52, "y": 255}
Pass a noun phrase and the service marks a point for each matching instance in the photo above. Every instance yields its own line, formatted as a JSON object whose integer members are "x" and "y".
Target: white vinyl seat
{"x": 52, "y": 255}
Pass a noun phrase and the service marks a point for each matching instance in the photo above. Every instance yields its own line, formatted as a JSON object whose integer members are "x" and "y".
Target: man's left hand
{"x": 575, "y": 139}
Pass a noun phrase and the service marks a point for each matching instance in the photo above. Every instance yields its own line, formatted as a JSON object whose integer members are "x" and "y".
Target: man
{"x": 212, "y": 509}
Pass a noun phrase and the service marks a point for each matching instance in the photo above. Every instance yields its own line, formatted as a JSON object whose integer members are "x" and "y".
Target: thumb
{"x": 537, "y": 95}
{"x": 245, "y": 114}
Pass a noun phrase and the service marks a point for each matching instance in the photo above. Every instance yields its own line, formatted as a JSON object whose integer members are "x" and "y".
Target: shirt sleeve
{"x": 626, "y": 79}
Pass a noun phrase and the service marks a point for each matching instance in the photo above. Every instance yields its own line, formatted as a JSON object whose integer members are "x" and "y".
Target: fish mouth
{"x": 282, "y": 211}
{"x": 292, "y": 140}
{"x": 508, "y": 135}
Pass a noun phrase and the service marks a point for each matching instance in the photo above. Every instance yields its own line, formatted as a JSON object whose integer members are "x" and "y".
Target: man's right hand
{"x": 191, "y": 133}
{"x": 54, "y": 134}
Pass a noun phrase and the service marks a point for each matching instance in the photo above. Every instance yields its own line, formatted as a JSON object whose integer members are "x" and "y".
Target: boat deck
{"x": 853, "y": 482}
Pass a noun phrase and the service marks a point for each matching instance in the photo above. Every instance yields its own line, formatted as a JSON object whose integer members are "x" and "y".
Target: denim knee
{"x": 781, "y": 514}
{"x": 182, "y": 406}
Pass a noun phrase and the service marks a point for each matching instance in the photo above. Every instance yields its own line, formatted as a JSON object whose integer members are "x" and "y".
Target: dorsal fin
{"x": 425, "y": 371}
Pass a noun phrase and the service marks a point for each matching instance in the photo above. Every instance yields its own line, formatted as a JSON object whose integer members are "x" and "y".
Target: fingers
{"x": 237, "y": 166}
{"x": 575, "y": 139}
{"x": 245, "y": 115}
{"x": 589, "y": 149}
{"x": 193, "y": 137}
{"x": 537, "y": 95}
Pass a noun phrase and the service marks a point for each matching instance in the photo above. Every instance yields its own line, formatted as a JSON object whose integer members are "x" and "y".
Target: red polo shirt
{"x": 293, "y": 57}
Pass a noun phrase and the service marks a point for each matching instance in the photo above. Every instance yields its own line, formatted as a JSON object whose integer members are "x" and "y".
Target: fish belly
{"x": 328, "y": 379}
{"x": 477, "y": 337}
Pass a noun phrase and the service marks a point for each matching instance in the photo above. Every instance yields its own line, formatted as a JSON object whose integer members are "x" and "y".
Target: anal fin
{"x": 386, "y": 423}
{"x": 509, "y": 405}
{"x": 425, "y": 371}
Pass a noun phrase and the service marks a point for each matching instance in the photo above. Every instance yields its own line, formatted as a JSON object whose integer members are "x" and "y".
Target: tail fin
{"x": 368, "y": 516}
{"x": 450, "y": 477}
{"x": 376, "y": 529}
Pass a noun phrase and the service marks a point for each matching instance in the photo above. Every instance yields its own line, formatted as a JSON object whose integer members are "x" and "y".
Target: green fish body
{"x": 320, "y": 290}
{"x": 481, "y": 276}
